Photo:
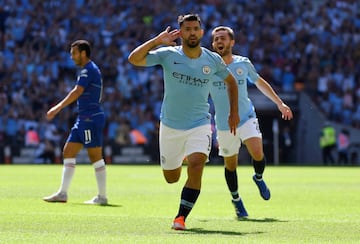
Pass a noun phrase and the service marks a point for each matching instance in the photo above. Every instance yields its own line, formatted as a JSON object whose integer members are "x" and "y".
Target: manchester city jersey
{"x": 244, "y": 72}
{"x": 187, "y": 85}
{"x": 89, "y": 102}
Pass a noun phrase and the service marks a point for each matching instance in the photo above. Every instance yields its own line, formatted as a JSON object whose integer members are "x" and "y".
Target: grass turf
{"x": 308, "y": 205}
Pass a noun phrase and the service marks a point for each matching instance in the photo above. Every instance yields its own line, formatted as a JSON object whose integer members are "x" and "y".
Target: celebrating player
{"x": 185, "y": 129}
{"x": 248, "y": 131}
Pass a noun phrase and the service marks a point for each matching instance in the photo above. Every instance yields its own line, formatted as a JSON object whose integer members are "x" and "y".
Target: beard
{"x": 223, "y": 52}
{"x": 192, "y": 43}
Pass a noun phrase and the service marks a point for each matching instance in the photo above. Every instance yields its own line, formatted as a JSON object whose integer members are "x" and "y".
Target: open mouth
{"x": 220, "y": 48}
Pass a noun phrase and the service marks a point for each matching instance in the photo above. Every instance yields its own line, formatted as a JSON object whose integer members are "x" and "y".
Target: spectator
{"x": 32, "y": 138}
{"x": 45, "y": 153}
{"x": 343, "y": 144}
{"x": 288, "y": 79}
{"x": 286, "y": 145}
{"x": 123, "y": 133}
{"x": 298, "y": 31}
{"x": 137, "y": 138}
{"x": 11, "y": 127}
{"x": 328, "y": 143}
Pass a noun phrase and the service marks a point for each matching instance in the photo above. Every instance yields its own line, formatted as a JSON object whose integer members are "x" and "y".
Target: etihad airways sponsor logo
{"x": 222, "y": 84}
{"x": 190, "y": 80}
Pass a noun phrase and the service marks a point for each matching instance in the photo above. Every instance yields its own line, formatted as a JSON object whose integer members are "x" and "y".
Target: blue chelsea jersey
{"x": 187, "y": 85}
{"x": 89, "y": 102}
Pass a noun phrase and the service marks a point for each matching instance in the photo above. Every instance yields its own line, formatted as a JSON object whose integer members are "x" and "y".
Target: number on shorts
{"x": 87, "y": 134}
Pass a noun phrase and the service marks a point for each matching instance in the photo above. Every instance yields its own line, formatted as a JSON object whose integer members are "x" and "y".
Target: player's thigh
{"x": 255, "y": 147}
{"x": 252, "y": 138}
{"x": 250, "y": 129}
{"x": 196, "y": 163}
{"x": 93, "y": 140}
{"x": 172, "y": 147}
{"x": 197, "y": 150}
{"x": 94, "y": 153}
{"x": 198, "y": 142}
{"x": 71, "y": 149}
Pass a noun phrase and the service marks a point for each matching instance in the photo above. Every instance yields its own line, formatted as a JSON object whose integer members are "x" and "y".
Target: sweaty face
{"x": 191, "y": 33}
{"x": 222, "y": 44}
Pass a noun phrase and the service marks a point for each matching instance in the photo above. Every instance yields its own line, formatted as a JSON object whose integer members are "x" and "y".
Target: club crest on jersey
{"x": 206, "y": 70}
{"x": 83, "y": 73}
{"x": 239, "y": 71}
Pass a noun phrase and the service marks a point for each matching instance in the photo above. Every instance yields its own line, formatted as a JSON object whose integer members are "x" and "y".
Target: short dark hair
{"x": 188, "y": 17}
{"x": 224, "y": 28}
{"x": 82, "y": 45}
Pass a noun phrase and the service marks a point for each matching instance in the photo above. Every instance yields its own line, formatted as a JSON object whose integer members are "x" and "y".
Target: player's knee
{"x": 172, "y": 176}
{"x": 231, "y": 167}
{"x": 195, "y": 168}
{"x": 231, "y": 163}
{"x": 258, "y": 156}
{"x": 171, "y": 180}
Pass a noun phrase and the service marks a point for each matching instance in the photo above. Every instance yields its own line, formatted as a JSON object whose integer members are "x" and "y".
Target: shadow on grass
{"x": 231, "y": 233}
{"x": 264, "y": 220}
{"x": 217, "y": 232}
{"x": 99, "y": 205}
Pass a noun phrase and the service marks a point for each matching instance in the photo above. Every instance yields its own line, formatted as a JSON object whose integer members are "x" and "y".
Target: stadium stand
{"x": 297, "y": 45}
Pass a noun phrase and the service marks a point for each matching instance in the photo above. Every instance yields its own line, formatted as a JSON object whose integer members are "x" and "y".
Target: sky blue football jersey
{"x": 244, "y": 71}
{"x": 187, "y": 85}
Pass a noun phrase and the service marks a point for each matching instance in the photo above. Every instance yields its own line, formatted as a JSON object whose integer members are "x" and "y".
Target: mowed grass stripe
{"x": 308, "y": 205}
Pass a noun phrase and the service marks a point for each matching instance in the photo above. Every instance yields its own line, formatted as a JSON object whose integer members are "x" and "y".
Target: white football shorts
{"x": 229, "y": 144}
{"x": 175, "y": 144}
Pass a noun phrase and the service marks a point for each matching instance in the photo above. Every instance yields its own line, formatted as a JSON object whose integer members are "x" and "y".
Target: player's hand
{"x": 233, "y": 121}
{"x": 52, "y": 112}
{"x": 286, "y": 112}
{"x": 168, "y": 37}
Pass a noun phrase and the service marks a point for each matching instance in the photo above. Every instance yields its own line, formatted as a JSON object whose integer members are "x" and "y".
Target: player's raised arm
{"x": 268, "y": 91}
{"x": 138, "y": 55}
{"x": 232, "y": 90}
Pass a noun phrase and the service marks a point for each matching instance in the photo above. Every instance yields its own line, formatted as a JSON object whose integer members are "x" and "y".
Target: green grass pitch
{"x": 308, "y": 205}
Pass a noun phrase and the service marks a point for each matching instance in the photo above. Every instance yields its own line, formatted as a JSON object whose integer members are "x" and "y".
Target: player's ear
{"x": 83, "y": 53}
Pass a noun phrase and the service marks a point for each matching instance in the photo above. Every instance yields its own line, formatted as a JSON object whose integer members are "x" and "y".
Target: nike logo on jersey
{"x": 177, "y": 62}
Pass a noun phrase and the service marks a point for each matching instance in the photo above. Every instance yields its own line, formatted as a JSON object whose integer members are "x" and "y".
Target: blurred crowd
{"x": 295, "y": 45}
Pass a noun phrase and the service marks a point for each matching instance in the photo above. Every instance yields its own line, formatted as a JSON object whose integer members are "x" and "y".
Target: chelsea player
{"x": 88, "y": 129}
